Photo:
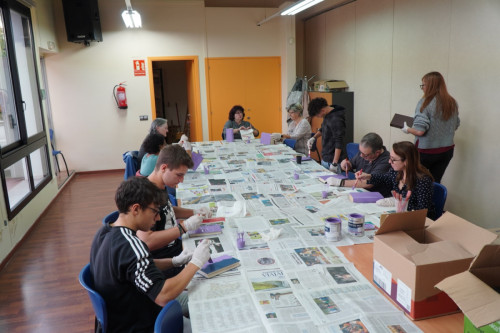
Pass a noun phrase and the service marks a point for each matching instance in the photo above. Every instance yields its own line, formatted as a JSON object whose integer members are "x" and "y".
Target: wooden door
{"x": 254, "y": 83}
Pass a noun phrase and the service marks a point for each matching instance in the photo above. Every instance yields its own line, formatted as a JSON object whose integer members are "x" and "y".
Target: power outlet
{"x": 143, "y": 117}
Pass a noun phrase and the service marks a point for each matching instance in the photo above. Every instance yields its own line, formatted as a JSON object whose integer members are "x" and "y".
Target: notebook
{"x": 399, "y": 119}
{"x": 365, "y": 197}
{"x": 219, "y": 265}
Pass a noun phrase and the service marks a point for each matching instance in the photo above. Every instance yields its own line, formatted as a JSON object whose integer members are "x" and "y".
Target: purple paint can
{"x": 356, "y": 224}
{"x": 333, "y": 229}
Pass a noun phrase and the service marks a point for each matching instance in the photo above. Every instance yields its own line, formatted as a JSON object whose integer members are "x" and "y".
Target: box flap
{"x": 405, "y": 221}
{"x": 476, "y": 299}
{"x": 488, "y": 257}
{"x": 445, "y": 251}
{"x": 469, "y": 235}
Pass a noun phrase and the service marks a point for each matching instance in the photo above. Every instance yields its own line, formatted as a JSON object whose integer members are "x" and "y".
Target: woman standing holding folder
{"x": 435, "y": 122}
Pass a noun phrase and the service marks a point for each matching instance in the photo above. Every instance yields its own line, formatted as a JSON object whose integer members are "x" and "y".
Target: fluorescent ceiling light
{"x": 131, "y": 18}
{"x": 302, "y": 5}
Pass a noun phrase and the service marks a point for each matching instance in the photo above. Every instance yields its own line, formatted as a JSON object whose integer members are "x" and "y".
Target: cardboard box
{"x": 409, "y": 259}
{"x": 331, "y": 85}
{"x": 476, "y": 291}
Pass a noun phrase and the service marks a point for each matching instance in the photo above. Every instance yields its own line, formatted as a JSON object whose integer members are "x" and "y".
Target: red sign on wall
{"x": 139, "y": 68}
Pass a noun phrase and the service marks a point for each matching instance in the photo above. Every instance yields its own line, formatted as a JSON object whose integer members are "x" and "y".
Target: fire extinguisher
{"x": 120, "y": 96}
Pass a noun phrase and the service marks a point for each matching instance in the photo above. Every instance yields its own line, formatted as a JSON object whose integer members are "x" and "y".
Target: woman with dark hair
{"x": 158, "y": 126}
{"x": 407, "y": 178}
{"x": 153, "y": 143}
{"x": 237, "y": 123}
{"x": 435, "y": 122}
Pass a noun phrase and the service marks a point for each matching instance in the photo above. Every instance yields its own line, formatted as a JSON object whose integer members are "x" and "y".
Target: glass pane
{"x": 18, "y": 187}
{"x": 27, "y": 74}
{"x": 9, "y": 130}
{"x": 39, "y": 165}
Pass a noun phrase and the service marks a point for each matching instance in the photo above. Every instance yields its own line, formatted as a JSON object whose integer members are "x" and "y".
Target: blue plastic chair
{"x": 352, "y": 149}
{"x": 111, "y": 217}
{"x": 290, "y": 143}
{"x": 439, "y": 195}
{"x": 170, "y": 319}
{"x": 57, "y": 152}
{"x": 131, "y": 163}
{"x": 101, "y": 315}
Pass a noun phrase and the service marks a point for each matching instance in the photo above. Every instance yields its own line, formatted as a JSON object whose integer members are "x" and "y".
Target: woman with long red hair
{"x": 435, "y": 122}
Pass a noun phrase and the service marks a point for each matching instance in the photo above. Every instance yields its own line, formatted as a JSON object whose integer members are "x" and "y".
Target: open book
{"x": 365, "y": 197}
{"x": 324, "y": 178}
{"x": 219, "y": 265}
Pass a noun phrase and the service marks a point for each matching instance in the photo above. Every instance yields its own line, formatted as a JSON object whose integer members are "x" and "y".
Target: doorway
{"x": 175, "y": 95}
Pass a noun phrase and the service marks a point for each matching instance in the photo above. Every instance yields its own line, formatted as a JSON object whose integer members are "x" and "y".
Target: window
{"x": 24, "y": 162}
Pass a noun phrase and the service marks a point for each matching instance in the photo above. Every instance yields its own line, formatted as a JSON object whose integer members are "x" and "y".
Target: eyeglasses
{"x": 392, "y": 160}
{"x": 365, "y": 155}
{"x": 156, "y": 211}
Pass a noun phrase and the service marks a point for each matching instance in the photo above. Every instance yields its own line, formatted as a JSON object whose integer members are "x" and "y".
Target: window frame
{"x": 18, "y": 150}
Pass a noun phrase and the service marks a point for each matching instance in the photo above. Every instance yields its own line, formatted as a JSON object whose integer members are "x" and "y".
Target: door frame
{"x": 193, "y": 92}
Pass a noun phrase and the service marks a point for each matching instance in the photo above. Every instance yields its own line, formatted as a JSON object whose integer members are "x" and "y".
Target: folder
{"x": 399, "y": 119}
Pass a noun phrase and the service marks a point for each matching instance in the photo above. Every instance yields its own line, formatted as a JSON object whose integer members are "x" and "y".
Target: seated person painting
{"x": 152, "y": 144}
{"x": 299, "y": 129}
{"x": 125, "y": 274}
{"x": 236, "y": 122}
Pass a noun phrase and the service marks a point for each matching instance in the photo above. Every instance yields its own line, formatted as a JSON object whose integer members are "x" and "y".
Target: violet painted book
{"x": 197, "y": 158}
{"x": 206, "y": 230}
{"x": 229, "y": 135}
{"x": 325, "y": 177}
{"x": 219, "y": 265}
{"x": 365, "y": 197}
{"x": 265, "y": 138}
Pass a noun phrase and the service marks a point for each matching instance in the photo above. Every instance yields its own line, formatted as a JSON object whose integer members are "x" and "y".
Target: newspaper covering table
{"x": 290, "y": 279}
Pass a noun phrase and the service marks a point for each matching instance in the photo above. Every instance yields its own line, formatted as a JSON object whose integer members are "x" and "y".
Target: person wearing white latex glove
{"x": 204, "y": 212}
{"x": 182, "y": 258}
{"x": 334, "y": 167}
{"x": 193, "y": 223}
{"x": 332, "y": 181}
{"x": 405, "y": 128}
{"x": 201, "y": 254}
{"x": 310, "y": 142}
{"x": 184, "y": 142}
{"x": 386, "y": 202}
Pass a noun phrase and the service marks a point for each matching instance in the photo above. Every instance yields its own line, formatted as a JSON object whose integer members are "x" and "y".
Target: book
{"x": 206, "y": 230}
{"x": 265, "y": 138}
{"x": 365, "y": 197}
{"x": 325, "y": 177}
{"x": 399, "y": 119}
{"x": 219, "y": 265}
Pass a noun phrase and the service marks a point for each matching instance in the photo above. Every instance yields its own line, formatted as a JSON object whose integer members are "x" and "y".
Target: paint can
{"x": 333, "y": 229}
{"x": 356, "y": 224}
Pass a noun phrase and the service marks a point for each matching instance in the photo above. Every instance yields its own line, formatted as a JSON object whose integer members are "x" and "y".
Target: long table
{"x": 297, "y": 282}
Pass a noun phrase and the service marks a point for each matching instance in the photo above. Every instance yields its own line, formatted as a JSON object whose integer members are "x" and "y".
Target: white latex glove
{"x": 334, "y": 168}
{"x": 183, "y": 139}
{"x": 386, "y": 202}
{"x": 187, "y": 145}
{"x": 201, "y": 254}
{"x": 193, "y": 222}
{"x": 204, "y": 212}
{"x": 405, "y": 128}
{"x": 332, "y": 181}
{"x": 310, "y": 142}
{"x": 182, "y": 258}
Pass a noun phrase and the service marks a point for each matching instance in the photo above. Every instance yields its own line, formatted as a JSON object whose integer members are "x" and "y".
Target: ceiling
{"x": 246, "y": 3}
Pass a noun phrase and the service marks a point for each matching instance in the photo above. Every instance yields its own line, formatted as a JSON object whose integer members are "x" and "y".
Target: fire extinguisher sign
{"x": 139, "y": 68}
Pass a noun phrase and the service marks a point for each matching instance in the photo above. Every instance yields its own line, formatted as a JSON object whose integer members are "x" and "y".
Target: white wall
{"x": 383, "y": 48}
{"x": 89, "y": 129}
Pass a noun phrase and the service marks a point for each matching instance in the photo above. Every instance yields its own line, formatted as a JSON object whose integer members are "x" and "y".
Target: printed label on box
{"x": 382, "y": 276}
{"x": 403, "y": 295}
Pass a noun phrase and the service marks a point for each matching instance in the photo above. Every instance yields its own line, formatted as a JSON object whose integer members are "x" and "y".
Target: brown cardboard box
{"x": 331, "y": 85}
{"x": 476, "y": 291}
{"x": 410, "y": 258}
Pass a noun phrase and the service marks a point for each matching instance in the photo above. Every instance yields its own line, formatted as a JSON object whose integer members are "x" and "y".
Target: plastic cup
{"x": 296, "y": 175}
{"x": 298, "y": 159}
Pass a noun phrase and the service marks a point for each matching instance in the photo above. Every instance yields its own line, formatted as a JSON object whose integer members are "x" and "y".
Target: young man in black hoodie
{"x": 332, "y": 131}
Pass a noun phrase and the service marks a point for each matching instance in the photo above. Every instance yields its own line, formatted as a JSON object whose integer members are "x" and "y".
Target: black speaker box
{"x": 83, "y": 24}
